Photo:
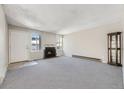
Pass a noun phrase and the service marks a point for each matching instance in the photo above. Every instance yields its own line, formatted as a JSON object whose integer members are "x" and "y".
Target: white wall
{"x": 3, "y": 45}
{"x": 47, "y": 38}
{"x": 91, "y": 42}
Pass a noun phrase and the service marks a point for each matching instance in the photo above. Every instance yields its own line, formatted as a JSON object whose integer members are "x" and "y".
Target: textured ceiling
{"x": 61, "y": 19}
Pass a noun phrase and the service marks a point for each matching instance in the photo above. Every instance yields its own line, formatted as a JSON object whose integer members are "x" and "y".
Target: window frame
{"x": 59, "y": 42}
{"x": 37, "y": 39}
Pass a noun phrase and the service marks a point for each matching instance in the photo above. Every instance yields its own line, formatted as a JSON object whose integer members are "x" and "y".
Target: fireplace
{"x": 49, "y": 52}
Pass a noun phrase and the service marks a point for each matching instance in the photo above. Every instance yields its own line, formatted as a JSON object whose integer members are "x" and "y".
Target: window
{"x": 36, "y": 42}
{"x": 59, "y": 43}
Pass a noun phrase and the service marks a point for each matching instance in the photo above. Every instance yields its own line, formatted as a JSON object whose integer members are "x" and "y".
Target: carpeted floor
{"x": 64, "y": 73}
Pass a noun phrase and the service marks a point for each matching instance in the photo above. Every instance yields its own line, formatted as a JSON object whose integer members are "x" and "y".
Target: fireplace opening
{"x": 49, "y": 52}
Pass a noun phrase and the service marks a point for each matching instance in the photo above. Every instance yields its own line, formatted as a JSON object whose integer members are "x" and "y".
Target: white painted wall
{"x": 20, "y": 48}
{"x": 49, "y": 38}
{"x": 3, "y": 45}
{"x": 91, "y": 42}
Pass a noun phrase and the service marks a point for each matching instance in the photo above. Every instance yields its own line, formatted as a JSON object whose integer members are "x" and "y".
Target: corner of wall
{"x": 3, "y": 76}
{"x": 4, "y": 53}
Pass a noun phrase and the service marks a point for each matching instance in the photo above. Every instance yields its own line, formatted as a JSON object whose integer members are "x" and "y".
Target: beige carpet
{"x": 64, "y": 73}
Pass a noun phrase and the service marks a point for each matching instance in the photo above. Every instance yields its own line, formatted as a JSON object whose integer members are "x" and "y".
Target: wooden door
{"x": 114, "y": 48}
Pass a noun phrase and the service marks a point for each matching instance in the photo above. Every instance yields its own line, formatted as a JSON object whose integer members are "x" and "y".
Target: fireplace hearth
{"x": 49, "y": 52}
